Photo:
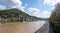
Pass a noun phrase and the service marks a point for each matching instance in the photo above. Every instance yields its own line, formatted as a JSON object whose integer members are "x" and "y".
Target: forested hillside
{"x": 15, "y": 15}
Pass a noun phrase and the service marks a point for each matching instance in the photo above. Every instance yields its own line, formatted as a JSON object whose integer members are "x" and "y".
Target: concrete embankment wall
{"x": 44, "y": 28}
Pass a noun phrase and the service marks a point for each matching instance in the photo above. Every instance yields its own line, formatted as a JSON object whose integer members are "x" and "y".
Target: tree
{"x": 55, "y": 16}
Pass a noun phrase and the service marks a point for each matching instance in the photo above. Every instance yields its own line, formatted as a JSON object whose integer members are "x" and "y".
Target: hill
{"x": 15, "y": 15}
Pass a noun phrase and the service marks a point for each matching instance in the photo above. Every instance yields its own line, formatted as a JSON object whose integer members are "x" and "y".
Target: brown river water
{"x": 26, "y": 27}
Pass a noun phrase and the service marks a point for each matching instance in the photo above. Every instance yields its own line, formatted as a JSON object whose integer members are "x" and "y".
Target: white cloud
{"x": 36, "y": 12}
{"x": 18, "y": 4}
{"x": 51, "y": 2}
{"x": 2, "y": 7}
{"x": 12, "y": 3}
{"x": 33, "y": 9}
{"x": 45, "y": 14}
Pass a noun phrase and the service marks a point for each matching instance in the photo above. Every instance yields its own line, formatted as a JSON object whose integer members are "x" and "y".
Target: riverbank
{"x": 14, "y": 22}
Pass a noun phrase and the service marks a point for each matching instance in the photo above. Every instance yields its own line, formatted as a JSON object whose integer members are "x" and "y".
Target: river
{"x": 26, "y": 27}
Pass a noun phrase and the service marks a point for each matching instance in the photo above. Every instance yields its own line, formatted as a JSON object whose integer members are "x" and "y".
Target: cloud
{"x": 45, "y": 14}
{"x": 51, "y": 2}
{"x": 33, "y": 9}
{"x": 2, "y": 7}
{"x": 12, "y": 3}
{"x": 36, "y": 12}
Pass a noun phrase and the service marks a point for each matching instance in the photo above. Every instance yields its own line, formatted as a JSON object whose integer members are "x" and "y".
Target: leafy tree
{"x": 55, "y": 16}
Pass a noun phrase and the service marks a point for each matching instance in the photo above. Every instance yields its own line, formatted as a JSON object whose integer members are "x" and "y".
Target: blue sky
{"x": 38, "y": 8}
{"x": 36, "y": 4}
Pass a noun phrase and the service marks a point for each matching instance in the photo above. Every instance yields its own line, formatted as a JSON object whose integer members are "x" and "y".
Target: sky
{"x": 38, "y": 8}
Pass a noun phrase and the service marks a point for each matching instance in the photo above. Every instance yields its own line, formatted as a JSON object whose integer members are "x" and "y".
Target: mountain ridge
{"x": 15, "y": 15}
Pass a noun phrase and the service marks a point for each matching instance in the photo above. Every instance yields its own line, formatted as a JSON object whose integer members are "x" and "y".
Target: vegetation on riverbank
{"x": 55, "y": 18}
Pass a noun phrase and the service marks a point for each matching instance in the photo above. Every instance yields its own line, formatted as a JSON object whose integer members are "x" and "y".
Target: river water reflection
{"x": 27, "y": 27}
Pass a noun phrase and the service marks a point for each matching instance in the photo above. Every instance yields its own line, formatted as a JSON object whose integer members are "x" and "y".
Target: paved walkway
{"x": 44, "y": 28}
